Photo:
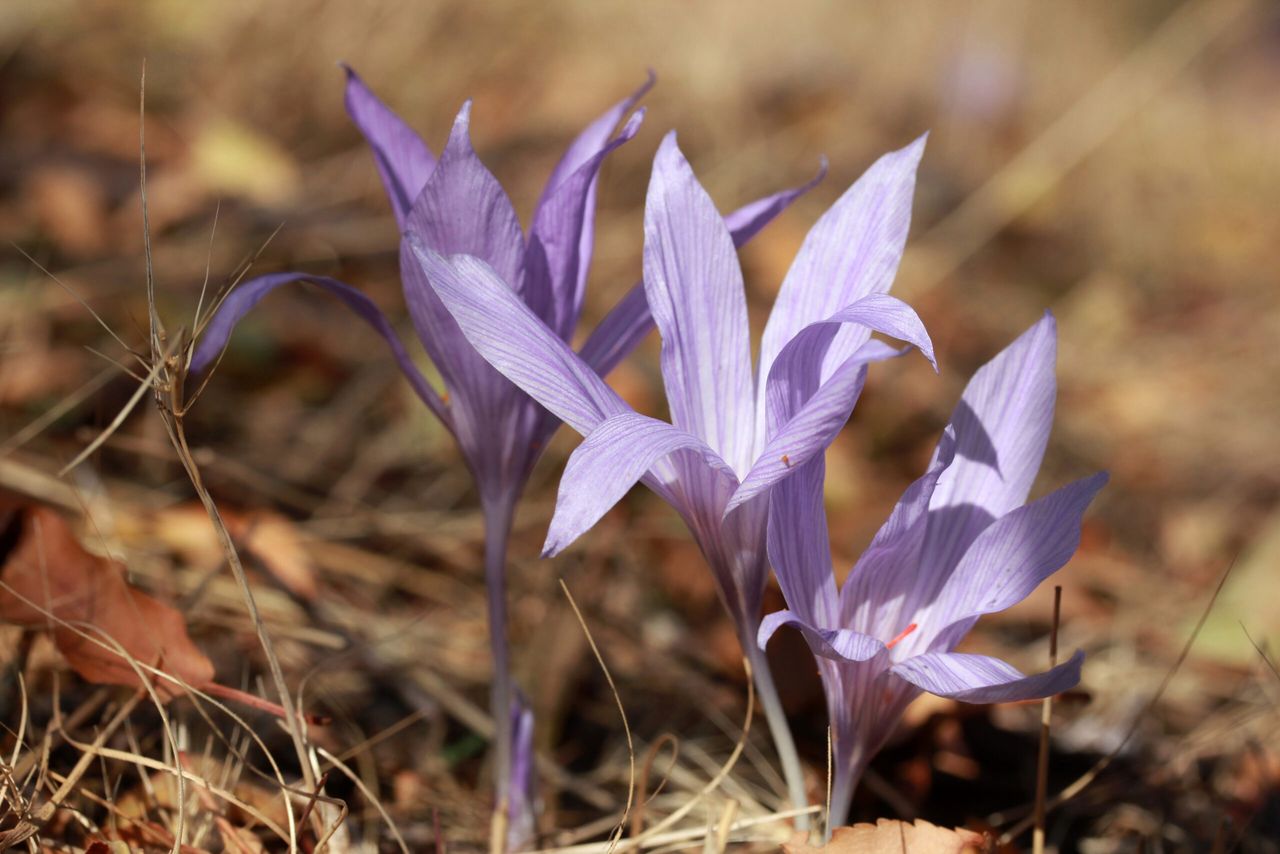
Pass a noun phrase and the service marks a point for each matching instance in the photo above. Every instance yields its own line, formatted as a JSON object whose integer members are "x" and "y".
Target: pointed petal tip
{"x": 632, "y": 127}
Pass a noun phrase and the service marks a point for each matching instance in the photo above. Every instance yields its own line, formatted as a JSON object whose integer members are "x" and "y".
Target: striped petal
{"x": 498, "y": 324}
{"x": 694, "y": 287}
{"x": 404, "y": 161}
{"x": 982, "y": 679}
{"x": 244, "y": 297}
{"x": 613, "y": 458}
{"x": 853, "y": 251}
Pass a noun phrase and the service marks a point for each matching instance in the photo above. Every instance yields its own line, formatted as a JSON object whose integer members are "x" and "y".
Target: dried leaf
{"x": 47, "y": 579}
{"x": 894, "y": 837}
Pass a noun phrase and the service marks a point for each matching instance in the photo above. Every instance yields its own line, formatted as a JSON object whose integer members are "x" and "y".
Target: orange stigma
{"x": 908, "y": 630}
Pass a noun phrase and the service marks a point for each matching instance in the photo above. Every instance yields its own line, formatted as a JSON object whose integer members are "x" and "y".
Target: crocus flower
{"x": 728, "y": 443}
{"x": 453, "y": 204}
{"x": 960, "y": 543}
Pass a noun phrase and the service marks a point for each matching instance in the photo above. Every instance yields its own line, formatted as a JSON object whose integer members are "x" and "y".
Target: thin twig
{"x": 1046, "y": 714}
{"x": 1083, "y": 781}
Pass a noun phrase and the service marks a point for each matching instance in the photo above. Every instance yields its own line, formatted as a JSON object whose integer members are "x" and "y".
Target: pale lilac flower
{"x": 735, "y": 433}
{"x": 452, "y": 205}
{"x": 960, "y": 543}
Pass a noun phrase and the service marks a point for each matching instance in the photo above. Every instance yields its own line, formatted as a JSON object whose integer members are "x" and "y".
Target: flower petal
{"x": 616, "y": 455}
{"x": 877, "y": 595}
{"x": 981, "y": 679}
{"x": 799, "y": 546}
{"x": 835, "y": 644}
{"x": 801, "y": 368}
{"x": 561, "y": 239}
{"x": 851, "y": 252}
{"x": 1009, "y": 559}
{"x": 629, "y": 320}
{"x": 809, "y": 432}
{"x": 747, "y": 221}
{"x": 462, "y": 209}
{"x": 694, "y": 286}
{"x": 1002, "y": 425}
{"x": 247, "y": 295}
{"x": 404, "y": 161}
{"x": 498, "y": 324}
{"x": 588, "y": 144}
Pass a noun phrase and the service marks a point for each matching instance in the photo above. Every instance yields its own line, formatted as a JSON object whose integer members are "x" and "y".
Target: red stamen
{"x": 908, "y": 630}
{"x": 786, "y": 460}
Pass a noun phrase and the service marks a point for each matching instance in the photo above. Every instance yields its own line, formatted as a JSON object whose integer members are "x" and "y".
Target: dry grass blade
{"x": 146, "y": 385}
{"x": 626, "y": 727}
{"x": 370, "y": 796}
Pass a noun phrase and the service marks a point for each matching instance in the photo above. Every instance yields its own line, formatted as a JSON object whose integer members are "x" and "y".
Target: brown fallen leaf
{"x": 47, "y": 579}
{"x": 888, "y": 836}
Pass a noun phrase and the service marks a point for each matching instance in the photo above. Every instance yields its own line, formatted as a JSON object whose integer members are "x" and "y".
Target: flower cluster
{"x": 742, "y": 458}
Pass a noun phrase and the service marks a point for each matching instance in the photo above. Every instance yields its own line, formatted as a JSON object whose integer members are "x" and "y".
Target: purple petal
{"x": 1002, "y": 425}
{"x": 520, "y": 808}
{"x": 593, "y": 138}
{"x": 807, "y": 435}
{"x": 561, "y": 240}
{"x": 747, "y": 221}
{"x": 877, "y": 595}
{"x": 1009, "y": 559}
{"x": 852, "y": 252}
{"x": 981, "y": 679}
{"x": 463, "y": 210}
{"x": 694, "y": 286}
{"x": 613, "y": 458}
{"x": 404, "y": 161}
{"x": 804, "y": 364}
{"x": 498, "y": 324}
{"x": 799, "y": 546}
{"x": 835, "y": 644}
{"x": 630, "y": 320}
{"x": 247, "y": 295}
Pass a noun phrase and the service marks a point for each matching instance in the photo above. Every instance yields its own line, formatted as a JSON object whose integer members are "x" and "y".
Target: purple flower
{"x": 454, "y": 205}
{"x": 735, "y": 433}
{"x": 960, "y": 543}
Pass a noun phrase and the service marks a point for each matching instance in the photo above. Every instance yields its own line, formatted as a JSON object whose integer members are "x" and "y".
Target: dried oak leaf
{"x": 893, "y": 837}
{"x": 47, "y": 579}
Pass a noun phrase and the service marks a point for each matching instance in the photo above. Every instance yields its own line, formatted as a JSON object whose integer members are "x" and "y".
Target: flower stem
{"x": 776, "y": 718}
{"x": 497, "y": 532}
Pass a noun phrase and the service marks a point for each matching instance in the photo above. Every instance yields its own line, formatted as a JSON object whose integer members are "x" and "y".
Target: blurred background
{"x": 1118, "y": 164}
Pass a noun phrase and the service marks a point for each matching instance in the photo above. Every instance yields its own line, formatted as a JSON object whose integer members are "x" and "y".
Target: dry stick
{"x": 1138, "y": 79}
{"x": 826, "y": 819}
{"x": 1102, "y": 764}
{"x": 172, "y": 411}
{"x": 626, "y": 727}
{"x": 1046, "y": 713}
